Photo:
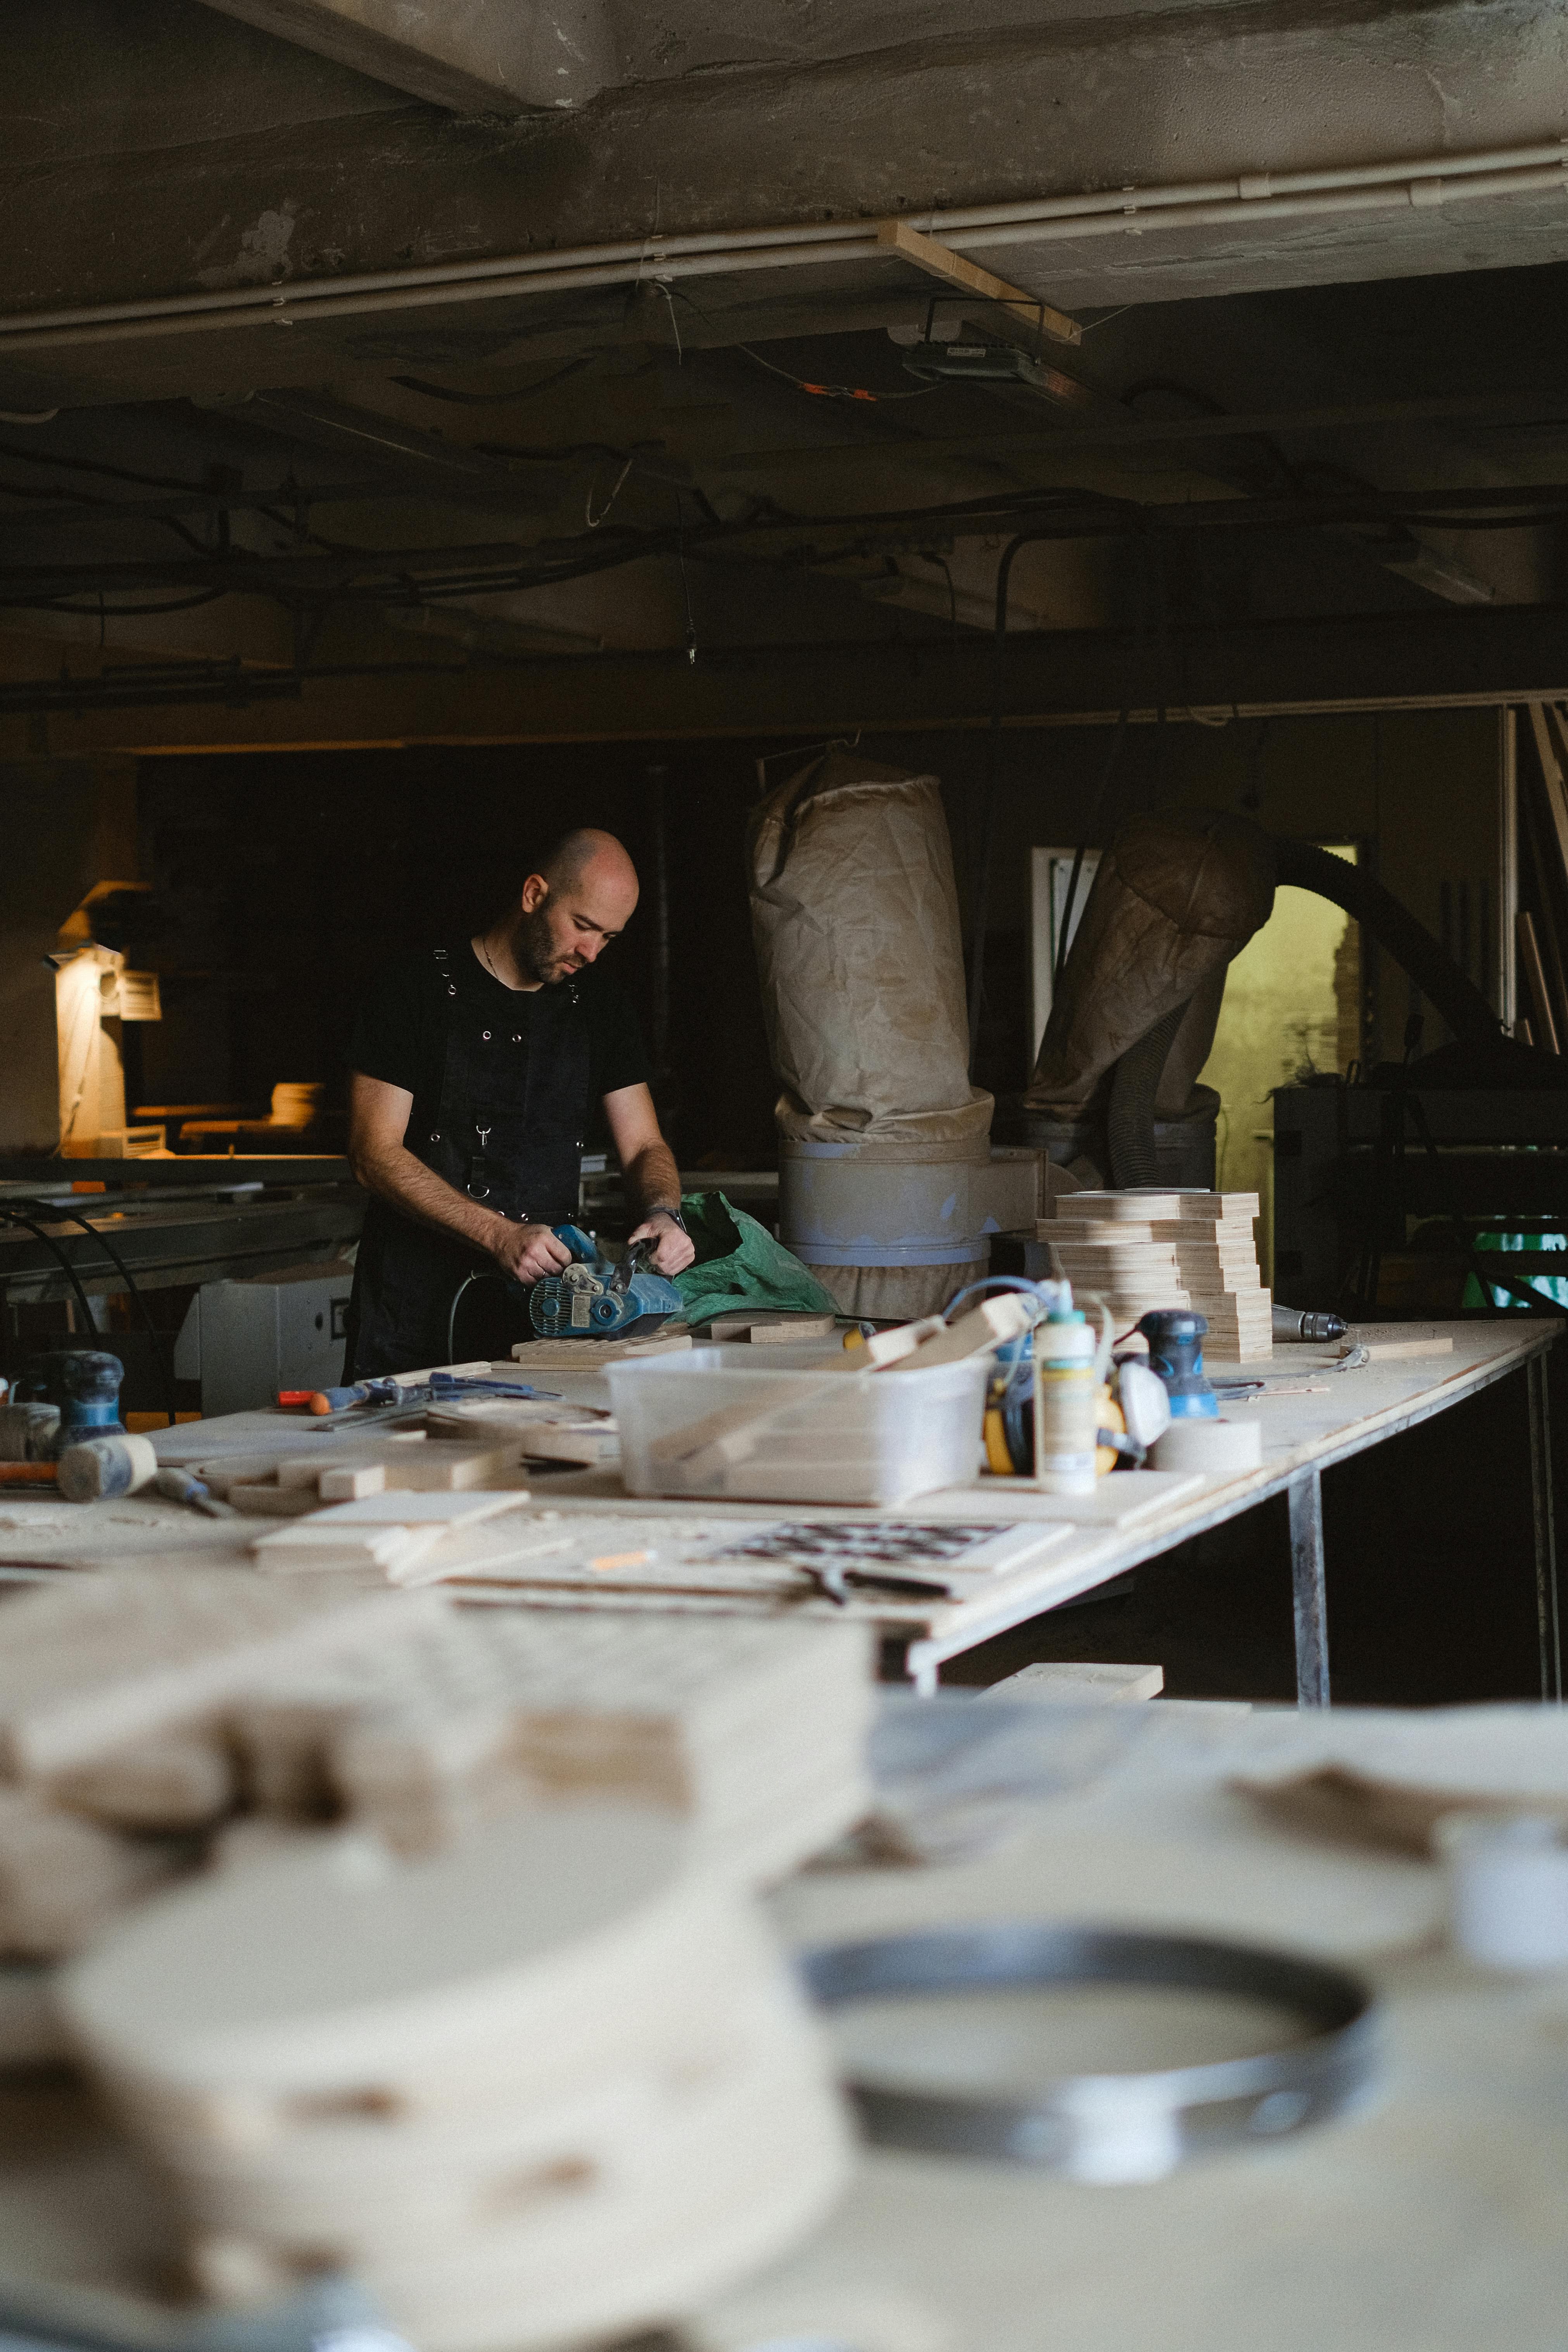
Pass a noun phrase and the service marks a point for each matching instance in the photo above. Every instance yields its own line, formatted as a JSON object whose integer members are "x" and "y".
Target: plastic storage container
{"x": 835, "y": 1435}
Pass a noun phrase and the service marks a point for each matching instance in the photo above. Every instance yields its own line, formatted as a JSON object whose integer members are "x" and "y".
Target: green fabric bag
{"x": 738, "y": 1264}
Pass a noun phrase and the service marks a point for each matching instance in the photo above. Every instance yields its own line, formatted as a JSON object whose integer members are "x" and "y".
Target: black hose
{"x": 15, "y": 1217}
{"x": 1410, "y": 945}
{"x": 73, "y": 1216}
{"x": 1129, "y": 1120}
{"x": 479, "y": 1273}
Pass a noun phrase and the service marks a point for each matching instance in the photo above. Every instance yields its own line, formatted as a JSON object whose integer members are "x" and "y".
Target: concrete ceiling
{"x": 506, "y": 468}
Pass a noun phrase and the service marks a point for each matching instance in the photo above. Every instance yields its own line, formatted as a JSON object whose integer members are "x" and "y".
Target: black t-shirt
{"x": 400, "y": 1030}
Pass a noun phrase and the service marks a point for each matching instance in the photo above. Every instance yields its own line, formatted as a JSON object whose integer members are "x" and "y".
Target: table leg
{"x": 1305, "y": 1496}
{"x": 1548, "y": 1628}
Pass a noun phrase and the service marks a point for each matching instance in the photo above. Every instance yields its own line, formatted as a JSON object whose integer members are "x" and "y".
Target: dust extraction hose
{"x": 1440, "y": 980}
{"x": 1130, "y": 1116}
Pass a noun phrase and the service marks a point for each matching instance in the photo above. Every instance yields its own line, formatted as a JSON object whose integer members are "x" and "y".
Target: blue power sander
{"x": 83, "y": 1385}
{"x": 594, "y": 1298}
{"x": 1175, "y": 1336}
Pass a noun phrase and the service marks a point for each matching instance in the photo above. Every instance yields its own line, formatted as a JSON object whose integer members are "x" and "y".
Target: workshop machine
{"x": 1444, "y": 1170}
{"x": 596, "y": 1298}
{"x": 1176, "y": 895}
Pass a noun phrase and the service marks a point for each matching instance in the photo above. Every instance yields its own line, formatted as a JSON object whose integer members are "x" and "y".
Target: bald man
{"x": 473, "y": 1069}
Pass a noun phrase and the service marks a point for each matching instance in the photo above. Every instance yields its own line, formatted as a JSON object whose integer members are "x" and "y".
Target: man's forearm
{"x": 396, "y": 1176}
{"x": 652, "y": 1180}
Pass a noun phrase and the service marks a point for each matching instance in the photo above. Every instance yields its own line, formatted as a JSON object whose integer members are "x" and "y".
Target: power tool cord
{"x": 15, "y": 1217}
{"x": 165, "y": 1374}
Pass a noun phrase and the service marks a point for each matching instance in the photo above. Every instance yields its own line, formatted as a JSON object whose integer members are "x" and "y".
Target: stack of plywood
{"x": 1142, "y": 1250}
{"x": 754, "y": 1733}
{"x": 1119, "y": 1246}
{"x": 550, "y": 2085}
{"x": 151, "y": 1719}
{"x": 112, "y": 1692}
{"x": 1217, "y": 1258}
{"x": 94, "y": 1667}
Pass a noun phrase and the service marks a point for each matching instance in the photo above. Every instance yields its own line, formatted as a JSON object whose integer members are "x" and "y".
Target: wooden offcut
{"x": 546, "y": 2087}
{"x": 940, "y": 261}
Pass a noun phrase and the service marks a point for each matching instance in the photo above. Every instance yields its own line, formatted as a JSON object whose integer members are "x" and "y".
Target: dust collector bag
{"x": 1176, "y": 897}
{"x": 854, "y": 915}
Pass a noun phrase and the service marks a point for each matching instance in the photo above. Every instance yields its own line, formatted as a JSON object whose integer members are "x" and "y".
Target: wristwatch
{"x": 673, "y": 1215}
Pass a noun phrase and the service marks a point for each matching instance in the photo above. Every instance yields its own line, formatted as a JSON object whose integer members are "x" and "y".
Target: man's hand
{"x": 528, "y": 1253}
{"x": 649, "y": 1173}
{"x": 675, "y": 1249}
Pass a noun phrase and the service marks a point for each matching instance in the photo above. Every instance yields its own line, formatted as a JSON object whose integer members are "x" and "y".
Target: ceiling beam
{"x": 471, "y": 57}
{"x": 979, "y": 120}
{"x": 1425, "y": 660}
{"x": 1503, "y": 408}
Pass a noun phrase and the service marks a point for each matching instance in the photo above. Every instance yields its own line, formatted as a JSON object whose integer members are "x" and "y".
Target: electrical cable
{"x": 493, "y": 399}
{"x": 801, "y": 382}
{"x": 96, "y": 465}
{"x": 685, "y": 584}
{"x": 452, "y": 1316}
{"x": 129, "y": 612}
{"x": 125, "y": 509}
{"x": 1092, "y": 821}
{"x": 595, "y": 521}
{"x": 980, "y": 891}
{"x": 1021, "y": 1284}
{"x": 479, "y": 1273}
{"x": 15, "y": 1217}
{"x": 1078, "y": 516}
{"x": 71, "y": 497}
{"x": 75, "y": 1217}
{"x": 567, "y": 451}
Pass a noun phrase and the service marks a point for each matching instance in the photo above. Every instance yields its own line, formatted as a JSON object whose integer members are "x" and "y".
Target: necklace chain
{"x": 488, "y": 965}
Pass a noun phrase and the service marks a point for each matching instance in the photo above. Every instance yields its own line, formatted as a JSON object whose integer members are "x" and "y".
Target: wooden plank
{"x": 1552, "y": 771}
{"x": 265, "y": 1499}
{"x": 531, "y": 1356}
{"x": 1078, "y": 1679}
{"x": 572, "y": 1441}
{"x": 773, "y": 1330}
{"x": 1121, "y": 1500}
{"x": 1552, "y": 910}
{"x": 940, "y": 261}
{"x": 1394, "y": 1351}
{"x": 1534, "y": 970}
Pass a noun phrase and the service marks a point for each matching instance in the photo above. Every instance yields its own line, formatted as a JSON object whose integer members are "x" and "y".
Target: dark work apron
{"x": 504, "y": 1124}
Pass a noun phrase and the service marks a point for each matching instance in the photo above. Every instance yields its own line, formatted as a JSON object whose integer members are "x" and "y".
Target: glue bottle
{"x": 1066, "y": 1403}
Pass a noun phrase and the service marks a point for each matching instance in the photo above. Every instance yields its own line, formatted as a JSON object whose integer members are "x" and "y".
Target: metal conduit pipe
{"x": 639, "y": 257}
{"x": 1257, "y": 196}
{"x": 1379, "y": 197}
{"x": 1247, "y": 187}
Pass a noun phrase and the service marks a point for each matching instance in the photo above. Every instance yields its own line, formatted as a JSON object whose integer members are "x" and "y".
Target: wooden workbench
{"x": 1303, "y": 1435}
{"x": 1133, "y": 1516}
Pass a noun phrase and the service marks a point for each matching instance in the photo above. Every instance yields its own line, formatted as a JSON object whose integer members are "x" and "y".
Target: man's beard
{"x": 533, "y": 949}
